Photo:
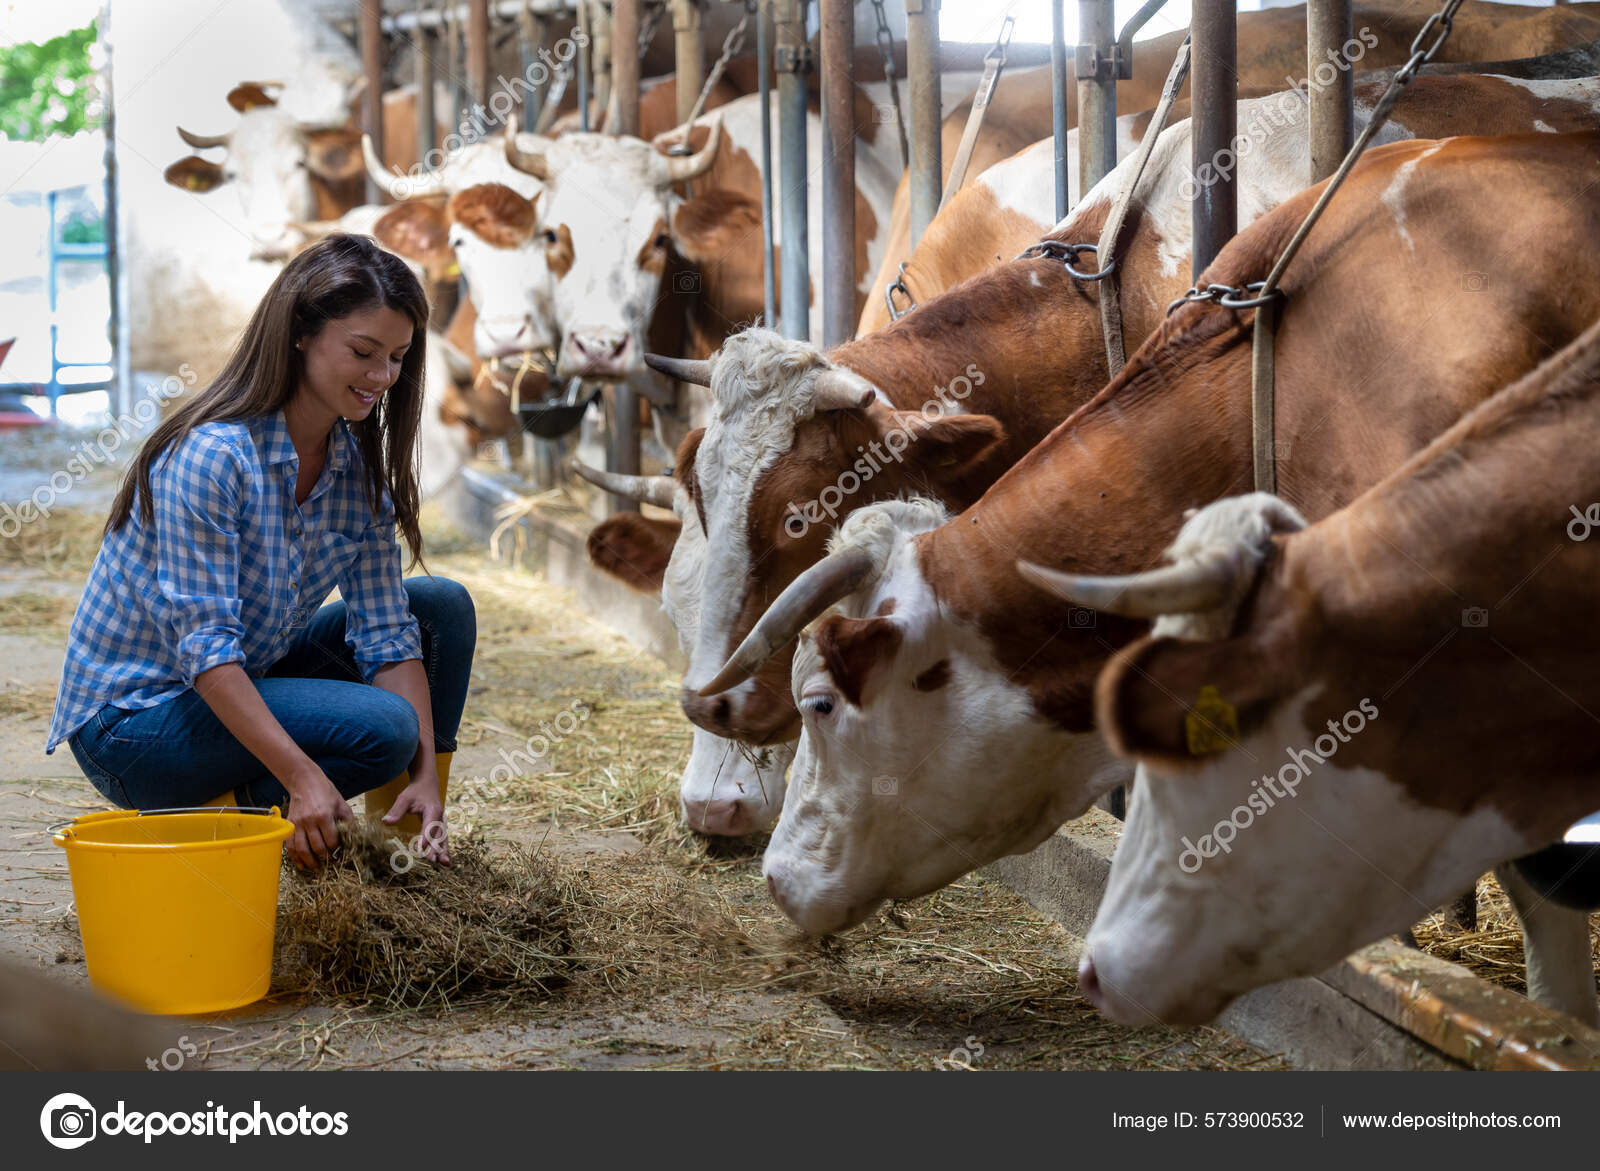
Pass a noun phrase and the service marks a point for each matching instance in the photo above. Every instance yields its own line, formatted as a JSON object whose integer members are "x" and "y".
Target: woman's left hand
{"x": 421, "y": 797}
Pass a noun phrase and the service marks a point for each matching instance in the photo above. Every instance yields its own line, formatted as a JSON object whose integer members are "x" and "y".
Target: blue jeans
{"x": 178, "y": 753}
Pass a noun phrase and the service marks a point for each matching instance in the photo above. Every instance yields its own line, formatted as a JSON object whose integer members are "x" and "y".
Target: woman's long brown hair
{"x": 337, "y": 276}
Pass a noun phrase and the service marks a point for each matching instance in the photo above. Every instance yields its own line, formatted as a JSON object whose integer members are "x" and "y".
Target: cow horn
{"x": 681, "y": 169}
{"x": 692, "y": 370}
{"x": 1192, "y": 586}
{"x": 836, "y": 390}
{"x": 201, "y": 141}
{"x": 399, "y": 187}
{"x": 655, "y": 490}
{"x": 836, "y": 576}
{"x": 529, "y": 162}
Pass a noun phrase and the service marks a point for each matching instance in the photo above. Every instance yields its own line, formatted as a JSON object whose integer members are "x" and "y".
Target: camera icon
{"x": 686, "y": 282}
{"x": 1474, "y": 282}
{"x": 1280, "y": 449}
{"x": 885, "y": 786}
{"x": 884, "y": 113}
{"x": 67, "y": 1121}
{"x": 1080, "y": 618}
{"x": 1475, "y": 617}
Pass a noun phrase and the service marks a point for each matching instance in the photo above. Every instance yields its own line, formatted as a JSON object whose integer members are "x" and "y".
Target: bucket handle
{"x": 62, "y": 830}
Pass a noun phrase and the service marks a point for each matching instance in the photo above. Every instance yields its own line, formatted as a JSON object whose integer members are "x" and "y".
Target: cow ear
{"x": 1178, "y": 702}
{"x": 855, "y": 650}
{"x": 415, "y": 230}
{"x": 194, "y": 174}
{"x": 247, "y": 95}
{"x": 634, "y": 549}
{"x": 946, "y": 447}
{"x": 335, "y": 155}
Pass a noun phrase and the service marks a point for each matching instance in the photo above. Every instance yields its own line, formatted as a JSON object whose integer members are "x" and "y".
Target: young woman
{"x": 198, "y": 663}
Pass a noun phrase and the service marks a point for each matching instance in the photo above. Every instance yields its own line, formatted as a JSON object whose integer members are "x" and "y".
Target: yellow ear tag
{"x": 1211, "y": 725}
{"x": 192, "y": 182}
{"x": 453, "y": 270}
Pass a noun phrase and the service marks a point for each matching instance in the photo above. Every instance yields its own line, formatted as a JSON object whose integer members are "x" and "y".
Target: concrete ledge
{"x": 1386, "y": 1007}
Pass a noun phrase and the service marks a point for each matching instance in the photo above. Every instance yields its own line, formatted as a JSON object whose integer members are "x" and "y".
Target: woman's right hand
{"x": 315, "y": 807}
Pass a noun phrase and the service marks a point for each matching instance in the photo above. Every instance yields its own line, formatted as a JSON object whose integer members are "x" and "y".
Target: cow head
{"x": 1262, "y": 842}
{"x": 794, "y": 443}
{"x": 917, "y": 762}
{"x": 607, "y": 223}
{"x": 488, "y": 225}
{"x": 727, "y": 789}
{"x": 285, "y": 171}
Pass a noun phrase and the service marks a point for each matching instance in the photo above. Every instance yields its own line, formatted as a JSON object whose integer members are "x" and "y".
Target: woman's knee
{"x": 388, "y": 734}
{"x": 444, "y": 603}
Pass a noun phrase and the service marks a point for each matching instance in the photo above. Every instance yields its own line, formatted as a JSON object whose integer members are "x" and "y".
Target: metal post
{"x": 478, "y": 53}
{"x": 624, "y": 454}
{"x": 689, "y": 40}
{"x": 1332, "y": 128}
{"x": 427, "y": 120}
{"x": 116, "y": 237}
{"x": 1058, "y": 103}
{"x": 371, "y": 40}
{"x": 769, "y": 287}
{"x": 793, "y": 60}
{"x": 838, "y": 171}
{"x": 600, "y": 59}
{"x": 625, "y": 66}
{"x": 922, "y": 67}
{"x": 1214, "y": 92}
{"x": 533, "y": 33}
{"x": 1097, "y": 92}
{"x": 585, "y": 43}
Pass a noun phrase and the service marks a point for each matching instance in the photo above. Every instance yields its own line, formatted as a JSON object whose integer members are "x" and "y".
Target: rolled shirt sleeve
{"x": 197, "y": 488}
{"x": 379, "y": 625}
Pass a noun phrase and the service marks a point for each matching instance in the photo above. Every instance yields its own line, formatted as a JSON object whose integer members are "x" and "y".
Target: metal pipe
{"x": 624, "y": 454}
{"x": 427, "y": 120}
{"x": 1097, "y": 92}
{"x": 478, "y": 53}
{"x": 689, "y": 42}
{"x": 584, "y": 44}
{"x": 922, "y": 69}
{"x": 116, "y": 236}
{"x": 1058, "y": 104}
{"x": 435, "y": 18}
{"x": 1332, "y": 127}
{"x": 602, "y": 27}
{"x": 1214, "y": 92}
{"x": 625, "y": 66}
{"x": 370, "y": 37}
{"x": 792, "y": 61}
{"x": 838, "y": 171}
{"x": 769, "y": 286}
{"x": 533, "y": 34}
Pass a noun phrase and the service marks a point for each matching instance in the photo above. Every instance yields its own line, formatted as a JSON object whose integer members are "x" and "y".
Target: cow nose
{"x": 1089, "y": 981}
{"x": 600, "y": 351}
{"x": 504, "y": 337}
{"x": 721, "y": 819}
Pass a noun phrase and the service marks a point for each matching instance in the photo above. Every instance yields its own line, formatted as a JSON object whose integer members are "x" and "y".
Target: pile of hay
{"x": 417, "y": 935}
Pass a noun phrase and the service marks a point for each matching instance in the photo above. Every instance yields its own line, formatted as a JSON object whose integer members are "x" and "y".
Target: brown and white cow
{"x": 1389, "y": 336}
{"x": 1030, "y": 329}
{"x": 1408, "y": 690}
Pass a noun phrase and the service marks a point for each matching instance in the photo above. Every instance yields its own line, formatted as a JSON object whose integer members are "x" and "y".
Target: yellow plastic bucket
{"x": 177, "y": 907}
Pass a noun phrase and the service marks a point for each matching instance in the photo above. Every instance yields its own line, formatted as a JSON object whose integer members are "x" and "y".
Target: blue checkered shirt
{"x": 231, "y": 571}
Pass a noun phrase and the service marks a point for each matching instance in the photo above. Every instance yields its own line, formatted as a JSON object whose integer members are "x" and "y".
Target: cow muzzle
{"x": 599, "y": 353}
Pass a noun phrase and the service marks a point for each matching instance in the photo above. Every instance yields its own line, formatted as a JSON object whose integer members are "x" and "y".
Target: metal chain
{"x": 1067, "y": 254}
{"x": 647, "y": 26}
{"x": 899, "y": 286}
{"x": 1228, "y": 296}
{"x": 886, "y": 51}
{"x": 732, "y": 44}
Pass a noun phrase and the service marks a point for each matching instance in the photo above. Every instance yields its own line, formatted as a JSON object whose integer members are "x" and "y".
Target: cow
{"x": 1405, "y": 691}
{"x": 46, "y": 1024}
{"x": 1271, "y": 51}
{"x": 769, "y": 448}
{"x": 934, "y": 629}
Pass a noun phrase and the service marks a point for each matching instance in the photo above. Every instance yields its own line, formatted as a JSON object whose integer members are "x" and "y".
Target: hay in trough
{"x": 1494, "y": 950}
{"x": 378, "y": 923}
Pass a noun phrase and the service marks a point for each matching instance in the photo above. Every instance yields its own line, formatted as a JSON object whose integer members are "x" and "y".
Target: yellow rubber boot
{"x": 379, "y": 801}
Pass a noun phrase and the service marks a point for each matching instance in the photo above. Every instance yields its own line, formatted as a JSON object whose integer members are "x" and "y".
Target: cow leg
{"x": 1555, "y": 945}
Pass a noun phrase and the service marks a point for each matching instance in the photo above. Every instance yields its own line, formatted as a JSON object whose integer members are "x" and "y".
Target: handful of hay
{"x": 381, "y": 924}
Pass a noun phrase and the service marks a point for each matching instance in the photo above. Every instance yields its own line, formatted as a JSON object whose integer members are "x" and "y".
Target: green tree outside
{"x": 47, "y": 88}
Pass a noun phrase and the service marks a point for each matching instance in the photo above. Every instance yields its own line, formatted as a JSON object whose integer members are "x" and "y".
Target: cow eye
{"x": 821, "y": 705}
{"x": 549, "y": 236}
{"x": 663, "y": 241}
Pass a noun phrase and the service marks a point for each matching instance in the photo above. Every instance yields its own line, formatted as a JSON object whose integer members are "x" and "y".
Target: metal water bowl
{"x": 560, "y": 415}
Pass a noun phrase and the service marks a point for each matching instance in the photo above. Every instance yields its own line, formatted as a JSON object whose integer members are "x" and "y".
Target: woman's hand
{"x": 315, "y": 807}
{"x": 421, "y": 797}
